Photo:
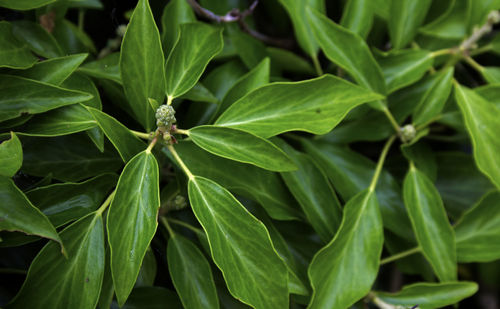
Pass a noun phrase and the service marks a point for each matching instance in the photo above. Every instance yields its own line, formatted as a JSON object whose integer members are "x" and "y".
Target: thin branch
{"x": 469, "y": 43}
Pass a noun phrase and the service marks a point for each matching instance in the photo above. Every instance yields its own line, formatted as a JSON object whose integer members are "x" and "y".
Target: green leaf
{"x": 53, "y": 71}
{"x": 35, "y": 98}
{"x": 303, "y": 30}
{"x": 340, "y": 44}
{"x": 452, "y": 24}
{"x": 353, "y": 255}
{"x": 285, "y": 60}
{"x": 132, "y": 220}
{"x": 404, "y": 67}
{"x": 198, "y": 43}
{"x": 434, "y": 99}
{"x": 358, "y": 17}
{"x": 223, "y": 77}
{"x": 67, "y": 158}
{"x": 11, "y": 156}
{"x": 65, "y": 202}
{"x": 147, "y": 273}
{"x": 260, "y": 185}
{"x": 241, "y": 146}
{"x": 61, "y": 121}
{"x": 491, "y": 74}
{"x": 127, "y": 144}
{"x": 153, "y": 297}
{"x": 71, "y": 38}
{"x": 107, "y": 67}
{"x": 434, "y": 233}
{"x": 80, "y": 82}
{"x": 288, "y": 106}
{"x": 257, "y": 77}
{"x": 406, "y": 17}
{"x": 175, "y": 13}
{"x": 311, "y": 188}
{"x": 142, "y": 64}
{"x": 24, "y": 4}
{"x": 191, "y": 274}
{"x": 351, "y": 173}
{"x": 200, "y": 93}
{"x": 478, "y": 230}
{"x": 430, "y": 295}
{"x": 481, "y": 120}
{"x": 240, "y": 246}
{"x": 250, "y": 50}
{"x": 56, "y": 281}
{"x": 18, "y": 214}
{"x": 13, "y": 53}
{"x": 37, "y": 38}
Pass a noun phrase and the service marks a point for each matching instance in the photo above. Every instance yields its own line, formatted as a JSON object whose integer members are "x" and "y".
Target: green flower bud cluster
{"x": 408, "y": 133}
{"x": 165, "y": 116}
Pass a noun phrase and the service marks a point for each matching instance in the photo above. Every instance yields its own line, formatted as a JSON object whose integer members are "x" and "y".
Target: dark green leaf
{"x": 37, "y": 38}
{"x": 452, "y": 24}
{"x": 340, "y": 44}
{"x": 142, "y": 64}
{"x": 71, "y": 38}
{"x": 315, "y": 106}
{"x": 478, "y": 230}
{"x": 353, "y": 255}
{"x": 18, "y": 214}
{"x": 35, "y": 98}
{"x": 430, "y": 224}
{"x": 481, "y": 120}
{"x": 406, "y": 17}
{"x": 107, "y": 67}
{"x": 358, "y": 17}
{"x": 11, "y": 156}
{"x": 13, "y": 53}
{"x": 176, "y": 12}
{"x": 147, "y": 273}
{"x": 241, "y": 146}
{"x": 154, "y": 297}
{"x": 240, "y": 246}
{"x": 191, "y": 274}
{"x": 200, "y": 93}
{"x": 198, "y": 43}
{"x": 250, "y": 50}
{"x": 56, "y": 281}
{"x": 80, "y": 82}
{"x": 24, "y": 4}
{"x": 285, "y": 60}
{"x": 132, "y": 220}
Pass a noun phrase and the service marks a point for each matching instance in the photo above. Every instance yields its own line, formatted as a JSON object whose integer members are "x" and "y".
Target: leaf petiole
{"x": 380, "y": 163}
{"x": 179, "y": 160}
{"x": 400, "y": 255}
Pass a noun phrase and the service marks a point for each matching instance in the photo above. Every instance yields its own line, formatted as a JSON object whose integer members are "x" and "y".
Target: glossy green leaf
{"x": 80, "y": 82}
{"x": 176, "y": 12}
{"x": 340, "y": 44}
{"x": 452, "y": 24}
{"x": 147, "y": 273}
{"x": 404, "y": 67}
{"x": 481, "y": 120}
{"x": 241, "y": 146}
{"x": 311, "y": 188}
{"x": 222, "y": 78}
{"x": 13, "y": 53}
{"x": 53, "y": 71}
{"x": 198, "y": 43}
{"x": 343, "y": 271}
{"x": 240, "y": 246}
{"x": 257, "y": 77}
{"x": 71, "y": 38}
{"x": 142, "y": 64}
{"x": 127, "y": 144}
{"x": 406, "y": 17}
{"x": 64, "y": 202}
{"x": 358, "y": 17}
{"x": 285, "y": 60}
{"x": 11, "y": 156}
{"x": 491, "y": 74}
{"x": 107, "y": 67}
{"x": 250, "y": 50}
{"x": 200, "y": 93}
{"x": 24, "y": 4}
{"x": 56, "y": 281}
{"x": 432, "y": 103}
{"x": 132, "y": 220}
{"x": 18, "y": 214}
{"x": 154, "y": 297}
{"x": 61, "y": 121}
{"x": 315, "y": 106}
{"x": 260, "y": 185}
{"x": 35, "y": 98}
{"x": 191, "y": 274}
{"x": 303, "y": 30}
{"x": 430, "y": 295}
{"x": 478, "y": 230}
{"x": 67, "y": 158}
{"x": 351, "y": 172}
{"x": 490, "y": 92}
{"x": 37, "y": 38}
{"x": 430, "y": 223}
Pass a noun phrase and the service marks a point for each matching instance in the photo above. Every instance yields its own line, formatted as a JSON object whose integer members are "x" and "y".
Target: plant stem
{"x": 400, "y": 255}
{"x": 186, "y": 225}
{"x": 81, "y": 19}
{"x": 441, "y": 52}
{"x": 153, "y": 143}
{"x": 106, "y": 203}
{"x": 169, "y": 229}
{"x": 391, "y": 118}
{"x": 179, "y": 160}
{"x": 317, "y": 65}
{"x": 13, "y": 271}
{"x": 493, "y": 18}
{"x": 381, "y": 160}
{"x": 169, "y": 100}
{"x": 180, "y": 131}
{"x": 481, "y": 50}
{"x": 474, "y": 64}
{"x": 141, "y": 134}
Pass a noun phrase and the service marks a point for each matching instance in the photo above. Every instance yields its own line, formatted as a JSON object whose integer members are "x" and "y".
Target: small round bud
{"x": 408, "y": 133}
{"x": 120, "y": 31}
{"x": 165, "y": 116}
{"x": 179, "y": 202}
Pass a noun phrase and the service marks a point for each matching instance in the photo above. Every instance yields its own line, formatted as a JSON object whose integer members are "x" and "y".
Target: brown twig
{"x": 236, "y": 16}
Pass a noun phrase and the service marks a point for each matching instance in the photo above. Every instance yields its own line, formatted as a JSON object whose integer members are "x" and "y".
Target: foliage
{"x": 287, "y": 154}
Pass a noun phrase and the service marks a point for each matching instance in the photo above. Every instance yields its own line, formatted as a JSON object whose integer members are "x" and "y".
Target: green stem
{"x": 81, "y": 19}
{"x": 106, "y": 203}
{"x": 180, "y": 131}
{"x": 481, "y": 50}
{"x": 13, "y": 271}
{"x": 391, "y": 118}
{"x": 441, "y": 52}
{"x": 380, "y": 163}
{"x": 474, "y": 64}
{"x": 179, "y": 160}
{"x": 186, "y": 225}
{"x": 317, "y": 65}
{"x": 169, "y": 229}
{"x": 153, "y": 142}
{"x": 141, "y": 134}
{"x": 400, "y": 255}
{"x": 169, "y": 100}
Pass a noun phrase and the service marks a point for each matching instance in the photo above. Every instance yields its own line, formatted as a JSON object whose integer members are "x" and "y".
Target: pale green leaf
{"x": 452, "y": 24}
{"x": 358, "y": 16}
{"x": 175, "y": 13}
{"x": 406, "y": 17}
{"x": 24, "y": 5}
{"x": 11, "y": 156}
